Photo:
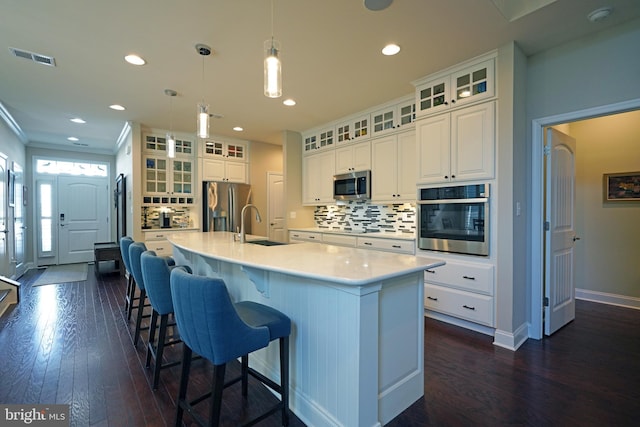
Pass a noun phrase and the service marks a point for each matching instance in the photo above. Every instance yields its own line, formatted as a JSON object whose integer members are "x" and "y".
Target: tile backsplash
{"x": 361, "y": 216}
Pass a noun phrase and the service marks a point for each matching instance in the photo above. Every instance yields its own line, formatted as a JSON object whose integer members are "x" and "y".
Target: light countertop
{"x": 345, "y": 265}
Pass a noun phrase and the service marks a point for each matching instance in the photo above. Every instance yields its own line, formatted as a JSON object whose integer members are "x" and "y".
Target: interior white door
{"x": 559, "y": 307}
{"x": 83, "y": 217}
{"x": 276, "y": 207}
{"x": 19, "y": 226}
{"x": 4, "y": 229}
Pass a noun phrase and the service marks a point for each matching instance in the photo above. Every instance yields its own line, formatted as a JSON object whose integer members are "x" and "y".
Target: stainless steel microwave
{"x": 352, "y": 186}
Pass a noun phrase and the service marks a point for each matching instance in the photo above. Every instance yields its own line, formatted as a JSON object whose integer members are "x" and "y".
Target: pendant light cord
{"x": 272, "y": 23}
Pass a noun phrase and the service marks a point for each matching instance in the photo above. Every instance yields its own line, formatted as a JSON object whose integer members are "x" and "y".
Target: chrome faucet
{"x": 242, "y": 232}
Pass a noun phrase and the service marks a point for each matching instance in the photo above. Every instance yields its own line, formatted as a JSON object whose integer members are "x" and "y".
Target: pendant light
{"x": 171, "y": 139}
{"x": 272, "y": 66}
{"x": 203, "y": 109}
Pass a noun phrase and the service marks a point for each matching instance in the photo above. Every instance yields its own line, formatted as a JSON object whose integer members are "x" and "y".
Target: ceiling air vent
{"x": 36, "y": 57}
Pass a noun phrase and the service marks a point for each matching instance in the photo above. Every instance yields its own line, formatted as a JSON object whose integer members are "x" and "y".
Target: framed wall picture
{"x": 12, "y": 188}
{"x": 620, "y": 187}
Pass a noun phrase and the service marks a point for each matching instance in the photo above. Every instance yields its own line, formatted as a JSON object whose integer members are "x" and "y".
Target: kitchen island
{"x": 357, "y": 339}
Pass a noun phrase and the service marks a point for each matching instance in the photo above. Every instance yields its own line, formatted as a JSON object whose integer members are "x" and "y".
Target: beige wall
{"x": 297, "y": 215}
{"x": 263, "y": 158}
{"x": 607, "y": 254}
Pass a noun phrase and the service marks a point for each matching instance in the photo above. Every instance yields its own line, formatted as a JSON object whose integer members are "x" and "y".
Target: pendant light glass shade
{"x": 272, "y": 70}
{"x": 203, "y": 109}
{"x": 171, "y": 146}
{"x": 171, "y": 140}
{"x": 203, "y": 120}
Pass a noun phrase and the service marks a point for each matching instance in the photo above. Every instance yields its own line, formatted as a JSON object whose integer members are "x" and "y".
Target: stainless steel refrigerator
{"x": 222, "y": 203}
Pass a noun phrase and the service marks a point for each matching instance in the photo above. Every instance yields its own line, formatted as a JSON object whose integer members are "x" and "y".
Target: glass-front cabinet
{"x": 353, "y": 129}
{"x": 464, "y": 86}
{"x": 318, "y": 140}
{"x": 228, "y": 150}
{"x": 164, "y": 176}
{"x": 393, "y": 117}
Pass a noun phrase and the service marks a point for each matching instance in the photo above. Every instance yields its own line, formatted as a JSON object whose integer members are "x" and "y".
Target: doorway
{"x": 537, "y": 201}
{"x": 72, "y": 211}
{"x": 275, "y": 207}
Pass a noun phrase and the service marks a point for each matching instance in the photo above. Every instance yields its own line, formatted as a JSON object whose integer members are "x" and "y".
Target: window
{"x": 57, "y": 167}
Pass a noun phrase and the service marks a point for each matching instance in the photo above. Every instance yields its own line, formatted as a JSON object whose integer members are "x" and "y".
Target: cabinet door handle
{"x": 431, "y": 271}
{"x": 432, "y": 298}
{"x": 469, "y": 277}
{"x": 468, "y": 308}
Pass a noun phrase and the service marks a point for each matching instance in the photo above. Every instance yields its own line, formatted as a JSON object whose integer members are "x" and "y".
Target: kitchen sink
{"x": 266, "y": 243}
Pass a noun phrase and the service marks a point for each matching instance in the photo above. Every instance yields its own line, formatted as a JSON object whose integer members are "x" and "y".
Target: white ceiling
{"x": 332, "y": 64}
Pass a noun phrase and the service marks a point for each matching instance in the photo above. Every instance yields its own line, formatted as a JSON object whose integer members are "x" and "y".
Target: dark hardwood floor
{"x": 72, "y": 344}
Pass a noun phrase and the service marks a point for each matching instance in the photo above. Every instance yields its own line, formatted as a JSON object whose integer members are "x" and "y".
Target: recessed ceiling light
{"x": 135, "y": 60}
{"x": 289, "y": 102}
{"x": 390, "y": 49}
{"x": 117, "y": 107}
{"x": 73, "y": 138}
{"x": 377, "y": 4}
{"x": 77, "y": 120}
{"x": 599, "y": 14}
{"x": 238, "y": 129}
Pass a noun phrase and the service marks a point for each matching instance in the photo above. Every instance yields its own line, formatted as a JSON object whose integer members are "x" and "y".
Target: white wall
{"x": 595, "y": 71}
{"x": 607, "y": 254}
{"x": 14, "y": 150}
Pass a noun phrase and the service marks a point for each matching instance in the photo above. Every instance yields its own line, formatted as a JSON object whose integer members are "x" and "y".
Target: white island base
{"x": 356, "y": 355}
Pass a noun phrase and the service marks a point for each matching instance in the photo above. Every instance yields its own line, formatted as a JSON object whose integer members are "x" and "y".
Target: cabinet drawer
{"x": 307, "y": 236}
{"x": 160, "y": 247}
{"x": 391, "y": 245}
{"x": 339, "y": 240}
{"x": 465, "y": 305}
{"x": 469, "y": 277}
{"x": 156, "y": 235}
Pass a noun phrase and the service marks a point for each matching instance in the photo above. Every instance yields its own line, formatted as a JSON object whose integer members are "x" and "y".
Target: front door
{"x": 83, "y": 217}
{"x": 560, "y": 237}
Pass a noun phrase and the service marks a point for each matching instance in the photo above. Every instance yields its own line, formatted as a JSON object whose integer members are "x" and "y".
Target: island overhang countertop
{"x": 337, "y": 264}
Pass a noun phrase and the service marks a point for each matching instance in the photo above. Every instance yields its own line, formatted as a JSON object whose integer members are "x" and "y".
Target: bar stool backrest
{"x": 208, "y": 321}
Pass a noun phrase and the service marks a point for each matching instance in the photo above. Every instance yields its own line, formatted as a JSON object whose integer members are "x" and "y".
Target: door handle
{"x": 575, "y": 238}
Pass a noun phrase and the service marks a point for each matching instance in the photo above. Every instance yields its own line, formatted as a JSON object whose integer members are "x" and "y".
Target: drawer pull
{"x": 368, "y": 243}
{"x": 432, "y": 298}
{"x": 469, "y": 277}
{"x": 312, "y": 237}
{"x": 431, "y": 271}
{"x": 468, "y": 308}
{"x": 396, "y": 246}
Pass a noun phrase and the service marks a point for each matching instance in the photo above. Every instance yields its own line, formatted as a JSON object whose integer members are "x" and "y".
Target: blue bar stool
{"x": 156, "y": 273}
{"x": 211, "y": 325}
{"x": 135, "y": 252}
{"x": 130, "y": 298}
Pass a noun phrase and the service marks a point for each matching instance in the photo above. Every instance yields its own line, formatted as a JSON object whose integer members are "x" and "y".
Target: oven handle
{"x": 453, "y": 201}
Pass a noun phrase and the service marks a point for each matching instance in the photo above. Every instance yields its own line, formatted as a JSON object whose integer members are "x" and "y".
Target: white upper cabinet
{"x": 318, "y": 140}
{"x": 460, "y": 87}
{"x": 225, "y": 160}
{"x": 393, "y": 117}
{"x": 234, "y": 151}
{"x": 393, "y": 168}
{"x": 317, "y": 178}
{"x": 165, "y": 176}
{"x": 457, "y": 146}
{"x": 353, "y": 130}
{"x": 354, "y": 157}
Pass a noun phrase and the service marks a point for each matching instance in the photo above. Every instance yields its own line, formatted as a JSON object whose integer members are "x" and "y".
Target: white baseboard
{"x": 606, "y": 298}
{"x": 459, "y": 322}
{"x": 511, "y": 340}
